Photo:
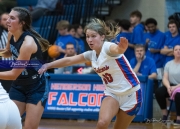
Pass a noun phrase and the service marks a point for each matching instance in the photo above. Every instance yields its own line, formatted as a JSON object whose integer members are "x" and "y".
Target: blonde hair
{"x": 101, "y": 28}
{"x": 63, "y": 24}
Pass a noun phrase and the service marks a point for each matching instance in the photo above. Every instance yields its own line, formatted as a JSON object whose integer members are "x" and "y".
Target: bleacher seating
{"x": 75, "y": 11}
{"x": 26, "y": 3}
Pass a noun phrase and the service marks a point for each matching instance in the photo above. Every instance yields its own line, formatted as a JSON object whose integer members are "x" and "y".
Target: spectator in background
{"x": 64, "y": 38}
{"x": 70, "y": 51}
{"x": 6, "y": 5}
{"x": 42, "y": 7}
{"x": 71, "y": 30}
{"x": 3, "y": 32}
{"x": 124, "y": 26}
{"x": 175, "y": 18}
{"x": 3, "y": 40}
{"x": 155, "y": 41}
{"x": 171, "y": 82}
{"x": 171, "y": 40}
{"x": 143, "y": 65}
{"x": 80, "y": 47}
{"x": 138, "y": 28}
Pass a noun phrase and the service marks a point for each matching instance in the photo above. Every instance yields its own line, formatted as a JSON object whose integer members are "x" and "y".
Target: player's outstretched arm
{"x": 27, "y": 49}
{"x": 67, "y": 61}
{"x": 120, "y": 48}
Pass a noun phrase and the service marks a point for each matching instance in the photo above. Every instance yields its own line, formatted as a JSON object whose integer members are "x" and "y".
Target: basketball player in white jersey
{"x": 9, "y": 114}
{"x": 122, "y": 93}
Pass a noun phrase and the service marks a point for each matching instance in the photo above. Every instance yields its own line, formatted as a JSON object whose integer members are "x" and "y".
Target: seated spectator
{"x": 71, "y": 30}
{"x": 70, "y": 51}
{"x": 138, "y": 28}
{"x": 171, "y": 82}
{"x": 171, "y": 41}
{"x": 3, "y": 40}
{"x": 64, "y": 38}
{"x": 42, "y": 7}
{"x": 143, "y": 65}
{"x": 124, "y": 26}
{"x": 155, "y": 40}
{"x": 80, "y": 46}
{"x": 6, "y": 5}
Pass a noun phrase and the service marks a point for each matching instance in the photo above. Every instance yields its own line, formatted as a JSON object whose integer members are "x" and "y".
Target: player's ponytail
{"x": 42, "y": 42}
{"x": 25, "y": 17}
{"x": 101, "y": 28}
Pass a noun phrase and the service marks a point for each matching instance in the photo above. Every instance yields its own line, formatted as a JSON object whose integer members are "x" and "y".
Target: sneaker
{"x": 164, "y": 119}
{"x": 177, "y": 123}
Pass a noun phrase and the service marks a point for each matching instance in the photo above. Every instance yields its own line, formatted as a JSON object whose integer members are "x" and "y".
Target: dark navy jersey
{"x": 35, "y": 59}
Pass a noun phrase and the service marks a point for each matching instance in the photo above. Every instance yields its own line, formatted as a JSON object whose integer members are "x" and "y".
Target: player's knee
{"x": 102, "y": 124}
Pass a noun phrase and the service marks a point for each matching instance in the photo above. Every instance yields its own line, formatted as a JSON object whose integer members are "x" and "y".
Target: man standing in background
{"x": 138, "y": 28}
{"x": 155, "y": 41}
{"x": 124, "y": 26}
{"x": 80, "y": 48}
{"x": 172, "y": 39}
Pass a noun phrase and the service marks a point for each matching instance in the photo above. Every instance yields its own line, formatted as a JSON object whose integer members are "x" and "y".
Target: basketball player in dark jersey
{"x": 28, "y": 90}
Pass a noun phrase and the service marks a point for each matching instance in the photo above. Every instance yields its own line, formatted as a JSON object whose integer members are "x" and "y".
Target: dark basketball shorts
{"x": 29, "y": 92}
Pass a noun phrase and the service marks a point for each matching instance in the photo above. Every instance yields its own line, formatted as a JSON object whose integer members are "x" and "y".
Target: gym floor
{"x": 82, "y": 124}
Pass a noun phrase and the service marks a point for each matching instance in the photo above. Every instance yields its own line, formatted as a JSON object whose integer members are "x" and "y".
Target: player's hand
{"x": 43, "y": 69}
{"x": 139, "y": 57}
{"x": 5, "y": 53}
{"x": 123, "y": 44}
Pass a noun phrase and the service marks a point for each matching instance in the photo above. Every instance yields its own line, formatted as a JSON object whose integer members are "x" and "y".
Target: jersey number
{"x": 107, "y": 78}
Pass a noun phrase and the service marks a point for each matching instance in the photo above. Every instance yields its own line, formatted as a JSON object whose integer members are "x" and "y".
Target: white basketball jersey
{"x": 115, "y": 72}
{"x": 3, "y": 94}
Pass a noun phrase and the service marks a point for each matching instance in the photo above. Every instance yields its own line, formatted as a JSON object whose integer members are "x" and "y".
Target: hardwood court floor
{"x": 74, "y": 124}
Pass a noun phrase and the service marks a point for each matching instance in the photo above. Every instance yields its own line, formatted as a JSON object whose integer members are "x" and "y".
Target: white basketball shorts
{"x": 9, "y": 116}
{"x": 130, "y": 103}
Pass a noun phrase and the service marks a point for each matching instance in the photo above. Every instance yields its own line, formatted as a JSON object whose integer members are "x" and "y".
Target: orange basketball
{"x": 88, "y": 63}
{"x": 54, "y": 51}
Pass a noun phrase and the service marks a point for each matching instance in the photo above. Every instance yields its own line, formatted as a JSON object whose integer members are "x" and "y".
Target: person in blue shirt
{"x": 124, "y": 32}
{"x": 71, "y": 30}
{"x": 155, "y": 41}
{"x": 143, "y": 65}
{"x": 64, "y": 38}
{"x": 70, "y": 51}
{"x": 171, "y": 41}
{"x": 172, "y": 17}
{"x": 138, "y": 30}
{"x": 80, "y": 46}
